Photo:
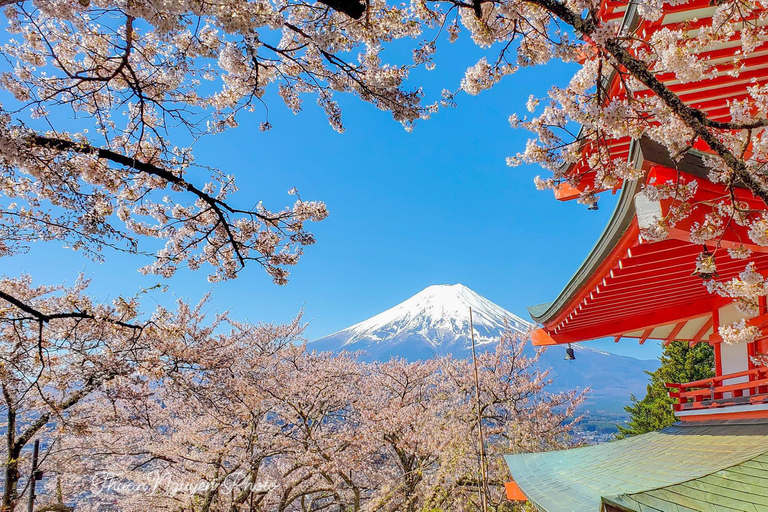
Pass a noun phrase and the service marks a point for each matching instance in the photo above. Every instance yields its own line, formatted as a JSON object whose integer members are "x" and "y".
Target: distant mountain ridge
{"x": 435, "y": 321}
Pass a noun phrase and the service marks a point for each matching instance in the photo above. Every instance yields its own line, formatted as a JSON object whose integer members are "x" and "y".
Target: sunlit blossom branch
{"x": 47, "y": 317}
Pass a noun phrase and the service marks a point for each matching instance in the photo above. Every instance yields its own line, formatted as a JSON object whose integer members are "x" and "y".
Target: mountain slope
{"x": 435, "y": 321}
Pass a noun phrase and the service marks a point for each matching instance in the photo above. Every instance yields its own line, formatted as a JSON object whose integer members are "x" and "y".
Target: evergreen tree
{"x": 679, "y": 363}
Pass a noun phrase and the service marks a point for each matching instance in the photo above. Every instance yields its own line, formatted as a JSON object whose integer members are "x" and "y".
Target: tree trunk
{"x": 11, "y": 481}
{"x": 12, "y": 462}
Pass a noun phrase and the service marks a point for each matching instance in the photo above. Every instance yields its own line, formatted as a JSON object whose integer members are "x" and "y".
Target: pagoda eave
{"x": 630, "y": 287}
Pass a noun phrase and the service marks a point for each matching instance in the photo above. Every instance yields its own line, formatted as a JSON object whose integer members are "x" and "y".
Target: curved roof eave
{"x": 642, "y": 153}
{"x": 622, "y": 217}
{"x": 542, "y": 312}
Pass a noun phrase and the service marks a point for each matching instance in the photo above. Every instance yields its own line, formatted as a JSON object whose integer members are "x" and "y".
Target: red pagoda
{"x": 716, "y": 457}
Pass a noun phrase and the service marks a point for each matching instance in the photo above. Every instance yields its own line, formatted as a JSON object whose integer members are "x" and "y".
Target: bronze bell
{"x": 705, "y": 265}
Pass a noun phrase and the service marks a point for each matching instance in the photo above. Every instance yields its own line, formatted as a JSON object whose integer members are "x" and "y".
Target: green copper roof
{"x": 743, "y": 487}
{"x": 539, "y": 309}
{"x": 623, "y": 472}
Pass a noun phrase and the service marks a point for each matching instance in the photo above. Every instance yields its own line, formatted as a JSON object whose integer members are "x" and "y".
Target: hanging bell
{"x": 569, "y": 354}
{"x": 705, "y": 265}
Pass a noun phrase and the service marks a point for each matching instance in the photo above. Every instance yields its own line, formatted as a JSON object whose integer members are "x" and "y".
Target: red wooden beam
{"x": 594, "y": 317}
{"x": 606, "y": 317}
{"x": 718, "y": 359}
{"x": 721, "y": 100}
{"x": 682, "y": 282}
{"x": 674, "y": 280}
{"x": 684, "y": 251}
{"x": 705, "y": 191}
{"x": 542, "y": 338}
{"x": 726, "y": 67}
{"x": 656, "y": 289}
{"x": 629, "y": 239}
{"x": 704, "y": 328}
{"x": 677, "y": 313}
{"x": 722, "y": 85}
{"x": 614, "y": 317}
{"x": 727, "y": 52}
{"x": 646, "y": 335}
{"x": 691, "y": 90}
{"x": 673, "y": 334}
{"x": 590, "y": 311}
{"x": 653, "y": 247}
{"x": 684, "y": 268}
{"x": 641, "y": 300}
{"x": 680, "y": 268}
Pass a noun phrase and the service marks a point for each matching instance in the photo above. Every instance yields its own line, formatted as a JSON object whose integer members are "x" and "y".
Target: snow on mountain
{"x": 435, "y": 321}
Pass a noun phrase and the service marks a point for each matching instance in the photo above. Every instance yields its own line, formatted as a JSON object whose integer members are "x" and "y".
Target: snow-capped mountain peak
{"x": 434, "y": 321}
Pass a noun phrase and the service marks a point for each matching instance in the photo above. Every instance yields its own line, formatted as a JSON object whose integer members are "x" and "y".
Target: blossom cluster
{"x": 739, "y": 332}
{"x": 745, "y": 289}
{"x": 166, "y": 407}
{"x": 139, "y": 77}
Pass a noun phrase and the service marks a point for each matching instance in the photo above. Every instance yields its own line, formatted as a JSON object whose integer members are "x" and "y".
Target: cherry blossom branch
{"x": 217, "y": 205}
{"x": 45, "y": 318}
{"x": 723, "y": 125}
{"x": 88, "y": 387}
{"x": 694, "y": 118}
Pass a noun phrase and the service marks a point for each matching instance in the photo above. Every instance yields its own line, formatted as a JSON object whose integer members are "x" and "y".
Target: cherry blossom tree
{"x": 429, "y": 425}
{"x": 98, "y": 93}
{"x": 61, "y": 354}
{"x": 518, "y": 413}
{"x": 247, "y": 420}
{"x": 413, "y": 423}
{"x": 102, "y": 105}
{"x": 287, "y": 429}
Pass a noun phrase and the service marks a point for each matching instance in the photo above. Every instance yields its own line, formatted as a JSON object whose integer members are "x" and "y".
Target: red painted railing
{"x": 714, "y": 393}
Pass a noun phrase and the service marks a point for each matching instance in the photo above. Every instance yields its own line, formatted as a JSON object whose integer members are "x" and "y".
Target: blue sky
{"x": 407, "y": 210}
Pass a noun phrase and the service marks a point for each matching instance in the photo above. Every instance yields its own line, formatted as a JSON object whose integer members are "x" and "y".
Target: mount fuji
{"x": 435, "y": 322}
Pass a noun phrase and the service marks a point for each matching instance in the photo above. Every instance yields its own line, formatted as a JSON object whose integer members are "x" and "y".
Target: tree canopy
{"x": 679, "y": 363}
{"x": 106, "y": 99}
